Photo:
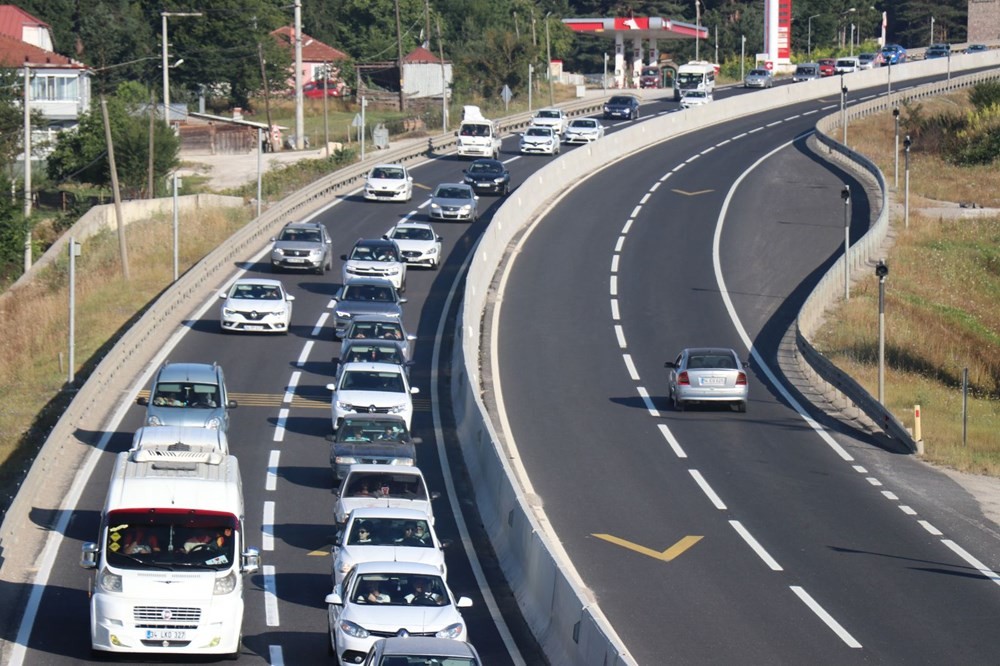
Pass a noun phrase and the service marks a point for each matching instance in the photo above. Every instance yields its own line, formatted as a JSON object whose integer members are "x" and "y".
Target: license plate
{"x": 166, "y": 635}
{"x": 713, "y": 381}
{"x": 253, "y": 327}
{"x": 295, "y": 260}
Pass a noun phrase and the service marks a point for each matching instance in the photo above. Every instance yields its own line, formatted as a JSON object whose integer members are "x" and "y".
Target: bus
{"x": 696, "y": 75}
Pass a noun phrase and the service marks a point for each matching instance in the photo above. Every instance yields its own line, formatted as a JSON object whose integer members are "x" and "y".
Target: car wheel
{"x": 506, "y": 189}
{"x": 741, "y": 407}
{"x": 433, "y": 265}
{"x": 331, "y": 645}
{"x": 275, "y": 268}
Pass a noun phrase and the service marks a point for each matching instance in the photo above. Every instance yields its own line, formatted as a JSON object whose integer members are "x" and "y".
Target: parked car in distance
{"x": 846, "y": 65}
{"x": 379, "y": 597}
{"x": 256, "y": 304}
{"x": 363, "y": 297}
{"x": 692, "y": 98}
{"x": 937, "y": 51}
{"x": 371, "y": 439}
{"x": 758, "y": 78}
{"x": 454, "y": 202}
{"x": 302, "y": 246}
{"x": 418, "y": 243}
{"x": 622, "y": 106}
{"x": 375, "y": 258}
{"x": 371, "y": 388}
{"x": 893, "y": 54}
{"x": 380, "y": 327}
{"x": 583, "y": 130}
{"x": 827, "y": 66}
{"x": 385, "y": 486}
{"x": 389, "y": 182}
{"x": 422, "y": 650}
{"x": 707, "y": 374}
{"x": 807, "y": 71}
{"x": 316, "y": 89}
{"x": 554, "y": 118}
{"x": 869, "y": 60}
{"x": 188, "y": 394}
{"x": 539, "y": 140}
{"x": 383, "y": 534}
{"x": 976, "y": 48}
{"x": 489, "y": 176}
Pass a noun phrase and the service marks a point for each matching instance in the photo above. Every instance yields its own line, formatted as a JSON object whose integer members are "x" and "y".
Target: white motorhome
{"x": 695, "y": 75}
{"x": 180, "y": 442}
{"x": 477, "y": 136}
{"x": 171, "y": 555}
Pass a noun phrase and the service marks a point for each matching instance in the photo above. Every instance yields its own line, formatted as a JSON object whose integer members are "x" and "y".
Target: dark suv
{"x": 622, "y": 106}
{"x": 302, "y": 246}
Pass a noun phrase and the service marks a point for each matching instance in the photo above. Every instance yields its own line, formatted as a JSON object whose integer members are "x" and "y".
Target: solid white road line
{"x": 988, "y": 573}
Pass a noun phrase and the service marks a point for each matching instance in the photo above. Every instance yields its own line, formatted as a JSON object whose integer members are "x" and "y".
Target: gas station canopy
{"x": 646, "y": 27}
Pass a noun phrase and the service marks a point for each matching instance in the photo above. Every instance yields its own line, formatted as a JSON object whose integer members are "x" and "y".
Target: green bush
{"x": 984, "y": 95}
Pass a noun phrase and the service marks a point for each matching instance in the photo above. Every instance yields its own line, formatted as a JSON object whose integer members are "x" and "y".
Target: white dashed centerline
{"x": 271, "y": 478}
{"x": 707, "y": 489}
{"x": 755, "y": 546}
{"x": 826, "y": 617}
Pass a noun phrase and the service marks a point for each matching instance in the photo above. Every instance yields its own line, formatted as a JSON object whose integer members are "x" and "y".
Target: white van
{"x": 846, "y": 65}
{"x": 180, "y": 442}
{"x": 170, "y": 558}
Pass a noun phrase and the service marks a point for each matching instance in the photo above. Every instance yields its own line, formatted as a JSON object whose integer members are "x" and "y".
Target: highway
{"x": 785, "y": 550}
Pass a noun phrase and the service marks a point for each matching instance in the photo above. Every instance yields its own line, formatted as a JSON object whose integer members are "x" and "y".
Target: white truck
{"x": 477, "y": 136}
{"x": 169, "y": 562}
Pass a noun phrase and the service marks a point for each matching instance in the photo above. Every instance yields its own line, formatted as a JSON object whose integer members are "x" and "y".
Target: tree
{"x": 12, "y": 233}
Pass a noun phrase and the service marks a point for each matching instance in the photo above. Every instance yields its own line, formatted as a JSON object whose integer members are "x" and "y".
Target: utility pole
{"x": 697, "y": 21}
{"x": 150, "y": 185}
{"x": 399, "y": 46}
{"x": 166, "y": 68}
{"x": 27, "y": 166}
{"x": 122, "y": 247}
{"x": 267, "y": 96}
{"x": 548, "y": 60}
{"x": 326, "y": 107}
{"x": 300, "y": 124}
{"x": 444, "y": 80}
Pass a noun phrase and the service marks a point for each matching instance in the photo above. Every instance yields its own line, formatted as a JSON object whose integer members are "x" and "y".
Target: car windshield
{"x": 619, "y": 100}
{"x": 758, "y": 72}
{"x": 185, "y": 394}
{"x": 257, "y": 292}
{"x": 380, "y": 253}
{"x": 379, "y": 484}
{"x": 547, "y": 114}
{"x": 391, "y": 173}
{"x": 390, "y": 532}
{"x": 368, "y": 292}
{"x": 399, "y": 590}
{"x": 452, "y": 193}
{"x": 374, "y": 353}
{"x": 413, "y": 233}
{"x": 173, "y": 540}
{"x": 368, "y": 330}
{"x": 370, "y": 430}
{"x": 483, "y": 167}
{"x": 539, "y": 131}
{"x": 372, "y": 380}
{"x": 301, "y": 235}
{"x": 583, "y": 124}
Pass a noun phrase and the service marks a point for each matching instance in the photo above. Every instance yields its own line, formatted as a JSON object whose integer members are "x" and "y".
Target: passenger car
{"x": 374, "y": 351}
{"x": 869, "y": 60}
{"x": 389, "y": 182}
{"x": 410, "y": 597}
{"x": 622, "y": 106}
{"x": 381, "y": 328}
{"x": 893, "y": 54}
{"x": 387, "y": 486}
{"x": 386, "y": 534}
{"x": 188, "y": 394}
{"x": 454, "y": 201}
{"x": 690, "y": 98}
{"x": 361, "y": 297}
{"x": 316, "y": 89}
{"x": 758, "y": 78}
{"x": 418, "y": 243}
{"x": 256, "y": 304}
{"x": 375, "y": 258}
{"x": 583, "y": 130}
{"x": 976, "y": 48}
{"x": 554, "y": 118}
{"x": 420, "y": 650}
{"x": 371, "y": 388}
{"x": 302, "y": 246}
{"x": 937, "y": 51}
{"x": 486, "y": 175}
{"x": 544, "y": 140}
{"x": 847, "y": 65}
{"x": 807, "y": 71}
{"x": 827, "y": 66}
{"x": 707, "y": 374}
{"x": 374, "y": 439}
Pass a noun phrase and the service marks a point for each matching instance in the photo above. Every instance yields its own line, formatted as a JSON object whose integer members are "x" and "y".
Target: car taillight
{"x": 683, "y": 379}
{"x": 741, "y": 379}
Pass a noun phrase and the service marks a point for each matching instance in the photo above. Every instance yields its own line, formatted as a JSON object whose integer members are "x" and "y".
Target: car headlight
{"x": 452, "y": 631}
{"x": 315, "y": 253}
{"x": 226, "y": 584}
{"x": 466, "y": 209}
{"x": 468, "y": 180}
{"x": 109, "y": 582}
{"x": 353, "y": 630}
{"x": 343, "y": 314}
{"x": 499, "y": 180}
{"x": 401, "y": 187}
{"x": 397, "y": 409}
{"x": 406, "y": 462}
{"x": 228, "y": 311}
{"x": 392, "y": 271}
{"x": 345, "y": 406}
{"x": 277, "y": 252}
{"x": 432, "y": 250}
{"x": 606, "y": 108}
{"x": 435, "y": 206}
{"x": 345, "y": 460}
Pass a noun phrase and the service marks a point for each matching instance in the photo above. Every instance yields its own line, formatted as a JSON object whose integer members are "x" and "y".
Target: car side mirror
{"x": 435, "y": 494}
{"x": 669, "y": 364}
{"x": 222, "y": 294}
{"x": 402, "y": 300}
{"x": 414, "y": 390}
{"x": 142, "y": 401}
{"x": 343, "y": 257}
{"x": 445, "y": 543}
{"x": 439, "y": 238}
{"x": 251, "y": 561}
{"x": 232, "y": 404}
{"x": 289, "y": 297}
{"x": 417, "y": 440}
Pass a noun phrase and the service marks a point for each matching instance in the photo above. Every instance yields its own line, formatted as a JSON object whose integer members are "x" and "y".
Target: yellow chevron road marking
{"x": 666, "y": 556}
{"x": 692, "y": 194}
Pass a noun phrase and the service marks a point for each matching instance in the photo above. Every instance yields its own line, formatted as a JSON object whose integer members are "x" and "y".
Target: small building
{"x": 423, "y": 73}
{"x": 320, "y": 62}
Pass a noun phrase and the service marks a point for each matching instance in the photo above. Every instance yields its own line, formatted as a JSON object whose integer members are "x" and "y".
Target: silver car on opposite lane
{"x": 708, "y": 374}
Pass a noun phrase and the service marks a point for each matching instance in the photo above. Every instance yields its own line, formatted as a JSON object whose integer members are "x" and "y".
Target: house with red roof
{"x": 320, "y": 63}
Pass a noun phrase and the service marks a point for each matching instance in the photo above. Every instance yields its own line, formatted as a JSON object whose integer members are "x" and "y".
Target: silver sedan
{"x": 708, "y": 374}
{"x": 758, "y": 78}
{"x": 454, "y": 201}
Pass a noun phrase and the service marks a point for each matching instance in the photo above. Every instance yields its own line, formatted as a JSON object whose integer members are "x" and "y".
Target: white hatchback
{"x": 372, "y": 388}
{"x": 389, "y": 182}
{"x": 418, "y": 243}
{"x": 256, "y": 304}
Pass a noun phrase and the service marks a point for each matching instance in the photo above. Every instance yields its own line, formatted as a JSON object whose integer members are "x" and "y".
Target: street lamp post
{"x": 548, "y": 59}
{"x": 743, "y": 54}
{"x": 604, "y": 80}
{"x": 843, "y": 107}
{"x": 852, "y": 40}
{"x": 531, "y": 71}
{"x": 697, "y": 22}
{"x": 166, "y": 68}
{"x": 895, "y": 149}
{"x": 906, "y": 181}
{"x": 74, "y": 252}
{"x": 881, "y": 271}
{"x": 809, "y": 41}
{"x": 932, "y": 30}
{"x": 27, "y": 165}
{"x": 845, "y": 194}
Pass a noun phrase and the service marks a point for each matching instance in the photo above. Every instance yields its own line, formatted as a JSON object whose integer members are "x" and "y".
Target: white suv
{"x": 376, "y": 258}
{"x": 373, "y": 388}
{"x": 554, "y": 118}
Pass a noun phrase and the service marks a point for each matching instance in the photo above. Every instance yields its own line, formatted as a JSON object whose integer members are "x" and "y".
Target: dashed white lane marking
{"x": 873, "y": 481}
{"x": 271, "y": 478}
{"x": 646, "y": 400}
{"x": 825, "y": 617}
{"x": 267, "y": 527}
{"x": 707, "y": 489}
{"x": 677, "y": 168}
{"x": 628, "y": 225}
{"x": 613, "y": 287}
{"x": 827, "y": 108}
{"x": 620, "y": 243}
{"x": 987, "y": 573}
{"x": 320, "y": 323}
{"x": 776, "y": 122}
{"x": 790, "y": 118}
{"x": 270, "y": 596}
{"x": 755, "y": 546}
{"x": 632, "y": 372}
{"x": 691, "y": 159}
{"x": 615, "y": 313}
{"x": 279, "y": 427}
{"x": 665, "y": 176}
{"x": 276, "y": 656}
{"x": 304, "y": 356}
{"x": 635, "y": 211}
{"x": 889, "y": 495}
{"x": 643, "y": 200}
{"x": 859, "y": 469}
{"x": 907, "y": 510}
{"x": 755, "y": 130}
{"x": 930, "y": 528}
{"x": 809, "y": 113}
{"x": 290, "y": 389}
{"x": 655, "y": 186}
{"x": 614, "y": 262}
{"x": 707, "y": 150}
{"x": 722, "y": 143}
{"x": 738, "y": 136}
{"x": 620, "y": 334}
{"x": 672, "y": 441}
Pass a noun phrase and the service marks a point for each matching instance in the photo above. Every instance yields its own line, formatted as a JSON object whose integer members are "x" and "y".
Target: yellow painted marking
{"x": 298, "y": 401}
{"x": 422, "y": 186}
{"x": 666, "y": 556}
{"x": 692, "y": 194}
{"x": 319, "y": 553}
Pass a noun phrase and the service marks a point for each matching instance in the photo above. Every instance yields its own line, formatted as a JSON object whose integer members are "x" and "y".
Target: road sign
{"x": 357, "y": 120}
{"x": 506, "y": 94}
